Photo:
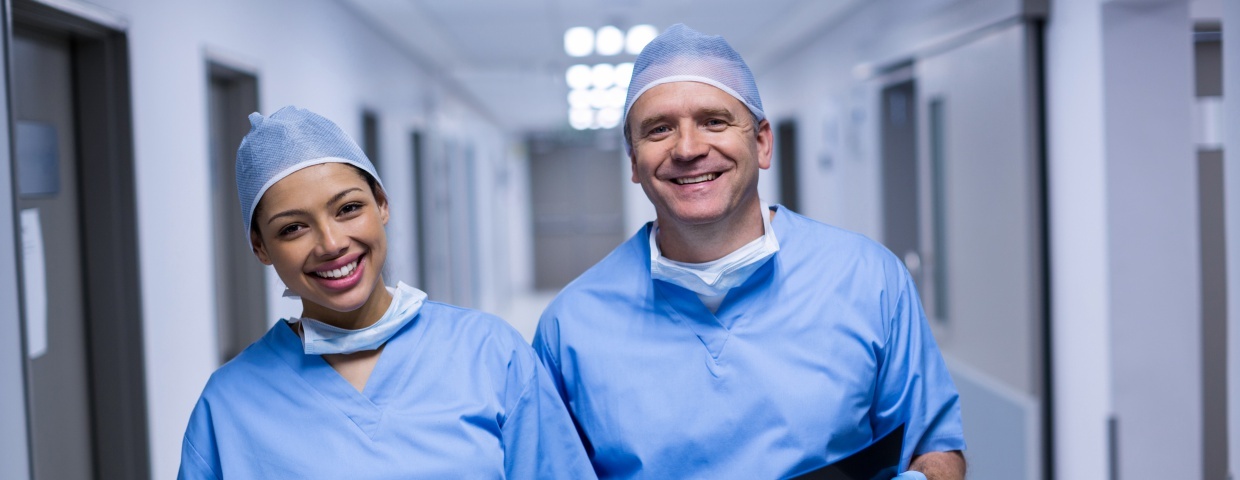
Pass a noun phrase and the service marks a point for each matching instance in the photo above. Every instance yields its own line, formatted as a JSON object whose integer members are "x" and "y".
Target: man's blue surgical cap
{"x": 681, "y": 54}
{"x": 287, "y": 141}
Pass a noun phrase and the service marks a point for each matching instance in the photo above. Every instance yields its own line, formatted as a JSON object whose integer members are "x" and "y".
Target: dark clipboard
{"x": 878, "y": 461}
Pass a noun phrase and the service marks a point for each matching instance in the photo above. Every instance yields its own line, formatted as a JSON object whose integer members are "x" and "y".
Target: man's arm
{"x": 940, "y": 465}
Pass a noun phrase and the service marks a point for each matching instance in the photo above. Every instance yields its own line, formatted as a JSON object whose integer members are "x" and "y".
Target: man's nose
{"x": 690, "y": 144}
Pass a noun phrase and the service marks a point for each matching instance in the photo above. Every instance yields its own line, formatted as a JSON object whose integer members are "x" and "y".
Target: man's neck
{"x": 704, "y": 243}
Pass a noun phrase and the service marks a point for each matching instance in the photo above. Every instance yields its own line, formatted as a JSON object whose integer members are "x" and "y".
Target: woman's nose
{"x": 332, "y": 242}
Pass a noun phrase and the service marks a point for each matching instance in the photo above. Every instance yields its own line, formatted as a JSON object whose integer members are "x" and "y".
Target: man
{"x": 732, "y": 340}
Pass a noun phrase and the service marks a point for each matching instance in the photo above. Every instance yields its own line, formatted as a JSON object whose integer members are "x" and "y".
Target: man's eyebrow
{"x": 649, "y": 122}
{"x": 716, "y": 112}
{"x": 294, "y": 212}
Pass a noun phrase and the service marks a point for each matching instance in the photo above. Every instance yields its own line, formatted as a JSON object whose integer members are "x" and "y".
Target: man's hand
{"x": 939, "y": 465}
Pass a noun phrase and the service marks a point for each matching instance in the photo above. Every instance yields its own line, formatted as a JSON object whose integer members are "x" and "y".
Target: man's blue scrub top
{"x": 455, "y": 394}
{"x": 823, "y": 350}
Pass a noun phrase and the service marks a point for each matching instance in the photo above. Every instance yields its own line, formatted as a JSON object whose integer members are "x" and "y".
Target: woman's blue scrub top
{"x": 455, "y": 394}
{"x": 823, "y": 350}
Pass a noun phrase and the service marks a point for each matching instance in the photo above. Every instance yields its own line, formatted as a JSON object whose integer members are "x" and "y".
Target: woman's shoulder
{"x": 465, "y": 324}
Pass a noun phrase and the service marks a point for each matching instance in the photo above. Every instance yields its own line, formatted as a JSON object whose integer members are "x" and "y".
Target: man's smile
{"x": 706, "y": 177}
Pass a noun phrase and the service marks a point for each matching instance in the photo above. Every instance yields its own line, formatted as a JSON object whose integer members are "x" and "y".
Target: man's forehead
{"x": 682, "y": 97}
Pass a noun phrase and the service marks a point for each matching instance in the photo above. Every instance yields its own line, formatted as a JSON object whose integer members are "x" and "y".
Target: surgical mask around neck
{"x": 318, "y": 338}
{"x": 716, "y": 277}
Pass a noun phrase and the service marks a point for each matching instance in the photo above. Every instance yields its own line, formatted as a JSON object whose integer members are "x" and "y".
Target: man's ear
{"x": 633, "y": 167}
{"x": 766, "y": 143}
{"x": 260, "y": 250}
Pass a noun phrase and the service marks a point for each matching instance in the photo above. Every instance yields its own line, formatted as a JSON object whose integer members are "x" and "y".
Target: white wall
{"x": 1078, "y": 239}
{"x": 1231, "y": 179}
{"x": 827, "y": 87}
{"x": 314, "y": 54}
{"x": 1124, "y": 245}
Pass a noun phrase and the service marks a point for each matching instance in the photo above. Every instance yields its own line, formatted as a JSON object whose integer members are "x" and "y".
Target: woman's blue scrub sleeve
{"x": 455, "y": 394}
{"x": 823, "y": 350}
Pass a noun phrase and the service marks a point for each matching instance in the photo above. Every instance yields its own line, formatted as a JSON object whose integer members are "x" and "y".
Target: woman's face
{"x": 322, "y": 230}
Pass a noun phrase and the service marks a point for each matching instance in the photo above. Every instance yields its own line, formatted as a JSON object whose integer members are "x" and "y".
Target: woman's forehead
{"x": 317, "y": 180}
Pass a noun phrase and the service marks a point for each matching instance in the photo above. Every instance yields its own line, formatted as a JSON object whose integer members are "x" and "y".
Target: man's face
{"x": 696, "y": 152}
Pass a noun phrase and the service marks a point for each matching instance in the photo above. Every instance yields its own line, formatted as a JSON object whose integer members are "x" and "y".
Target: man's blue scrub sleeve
{"x": 916, "y": 388}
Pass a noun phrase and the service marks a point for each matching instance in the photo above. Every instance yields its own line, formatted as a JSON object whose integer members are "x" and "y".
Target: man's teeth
{"x": 339, "y": 272}
{"x": 698, "y": 179}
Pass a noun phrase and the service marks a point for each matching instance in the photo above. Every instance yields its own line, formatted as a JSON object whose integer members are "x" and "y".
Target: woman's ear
{"x": 260, "y": 250}
{"x": 381, "y": 200}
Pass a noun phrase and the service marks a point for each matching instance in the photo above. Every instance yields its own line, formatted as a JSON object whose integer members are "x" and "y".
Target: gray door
{"x": 576, "y": 223}
{"x": 240, "y": 289}
{"x": 900, "y": 173}
{"x": 46, "y": 142}
{"x": 982, "y": 240}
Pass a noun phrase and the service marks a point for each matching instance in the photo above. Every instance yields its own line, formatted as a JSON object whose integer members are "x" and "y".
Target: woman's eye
{"x": 289, "y": 230}
{"x": 350, "y": 208}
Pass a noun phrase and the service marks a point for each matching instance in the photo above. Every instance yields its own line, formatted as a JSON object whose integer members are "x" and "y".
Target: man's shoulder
{"x": 813, "y": 237}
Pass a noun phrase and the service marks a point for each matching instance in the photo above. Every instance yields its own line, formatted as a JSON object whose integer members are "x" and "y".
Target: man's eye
{"x": 660, "y": 129}
{"x": 715, "y": 122}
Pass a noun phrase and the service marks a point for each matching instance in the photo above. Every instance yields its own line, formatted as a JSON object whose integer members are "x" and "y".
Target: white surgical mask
{"x": 318, "y": 338}
{"x": 716, "y": 277}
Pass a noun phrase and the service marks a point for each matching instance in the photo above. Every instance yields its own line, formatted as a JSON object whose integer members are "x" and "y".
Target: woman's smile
{"x": 341, "y": 277}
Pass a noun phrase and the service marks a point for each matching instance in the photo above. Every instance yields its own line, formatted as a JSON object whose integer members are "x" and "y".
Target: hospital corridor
{"x": 1057, "y": 180}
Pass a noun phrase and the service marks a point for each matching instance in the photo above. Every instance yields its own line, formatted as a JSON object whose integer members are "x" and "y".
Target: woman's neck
{"x": 364, "y": 316}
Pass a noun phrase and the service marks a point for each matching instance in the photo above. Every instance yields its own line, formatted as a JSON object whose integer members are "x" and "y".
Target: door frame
{"x": 114, "y": 327}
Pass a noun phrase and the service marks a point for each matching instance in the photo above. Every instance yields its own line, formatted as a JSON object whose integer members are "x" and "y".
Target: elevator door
{"x": 59, "y": 386}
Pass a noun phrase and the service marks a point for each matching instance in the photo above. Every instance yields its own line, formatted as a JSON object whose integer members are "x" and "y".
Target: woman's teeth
{"x": 698, "y": 179}
{"x": 339, "y": 272}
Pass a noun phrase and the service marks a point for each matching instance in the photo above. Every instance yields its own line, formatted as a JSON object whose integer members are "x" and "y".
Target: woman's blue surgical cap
{"x": 287, "y": 141}
{"x": 681, "y": 54}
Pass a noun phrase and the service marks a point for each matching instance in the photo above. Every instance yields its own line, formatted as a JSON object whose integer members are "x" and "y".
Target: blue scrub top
{"x": 823, "y": 350}
{"x": 455, "y": 394}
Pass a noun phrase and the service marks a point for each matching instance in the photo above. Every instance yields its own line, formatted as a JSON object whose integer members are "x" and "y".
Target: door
{"x": 982, "y": 240}
{"x": 900, "y": 198}
{"x": 48, "y": 201}
{"x": 576, "y": 223}
{"x": 240, "y": 289}
{"x": 72, "y": 146}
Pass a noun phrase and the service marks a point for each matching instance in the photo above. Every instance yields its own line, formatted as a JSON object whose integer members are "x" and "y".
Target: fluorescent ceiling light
{"x": 624, "y": 73}
{"x": 579, "y": 76}
{"x": 603, "y": 75}
{"x": 638, "y": 37}
{"x": 609, "y": 41}
{"x": 578, "y": 41}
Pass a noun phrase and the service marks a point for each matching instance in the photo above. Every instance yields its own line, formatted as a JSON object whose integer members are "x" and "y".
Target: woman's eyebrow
{"x": 297, "y": 211}
{"x": 341, "y": 195}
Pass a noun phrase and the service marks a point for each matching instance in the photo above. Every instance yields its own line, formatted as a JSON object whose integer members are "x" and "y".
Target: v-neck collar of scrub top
{"x": 714, "y": 329}
{"x": 365, "y": 407}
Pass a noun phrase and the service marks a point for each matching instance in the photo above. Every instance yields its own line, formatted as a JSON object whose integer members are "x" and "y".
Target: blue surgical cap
{"x": 681, "y": 54}
{"x": 287, "y": 141}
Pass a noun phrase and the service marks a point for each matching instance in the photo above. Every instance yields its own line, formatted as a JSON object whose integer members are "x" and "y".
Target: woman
{"x": 370, "y": 381}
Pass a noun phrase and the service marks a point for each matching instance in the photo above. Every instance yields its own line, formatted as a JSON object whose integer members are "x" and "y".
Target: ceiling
{"x": 508, "y": 55}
